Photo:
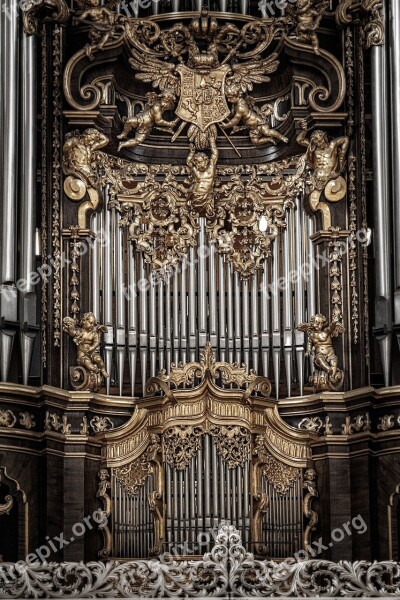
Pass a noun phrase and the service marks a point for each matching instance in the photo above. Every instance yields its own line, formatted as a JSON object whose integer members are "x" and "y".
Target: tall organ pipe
{"x": 8, "y": 173}
{"x": 28, "y": 196}
{"x": 382, "y": 237}
{"x": 108, "y": 297}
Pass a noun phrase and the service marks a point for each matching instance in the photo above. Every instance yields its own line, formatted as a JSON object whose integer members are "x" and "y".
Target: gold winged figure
{"x": 320, "y": 334}
{"x": 203, "y": 87}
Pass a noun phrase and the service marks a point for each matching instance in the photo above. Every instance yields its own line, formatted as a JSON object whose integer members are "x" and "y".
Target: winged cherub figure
{"x": 320, "y": 336}
{"x": 104, "y": 23}
{"x": 308, "y": 15}
{"x": 203, "y": 86}
{"x": 87, "y": 338}
{"x": 253, "y": 119}
{"x": 144, "y": 121}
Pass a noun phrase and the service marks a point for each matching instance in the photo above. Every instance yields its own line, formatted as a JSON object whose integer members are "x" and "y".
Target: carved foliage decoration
{"x": 102, "y": 493}
{"x": 233, "y": 443}
{"x": 181, "y": 444}
{"x": 370, "y": 11}
{"x": 228, "y": 570}
{"x": 208, "y": 368}
{"x": 279, "y": 474}
{"x": 133, "y": 475}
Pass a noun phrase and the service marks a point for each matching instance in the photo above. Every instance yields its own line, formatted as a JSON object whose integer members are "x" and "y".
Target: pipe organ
{"x": 195, "y": 200}
{"x": 208, "y": 452}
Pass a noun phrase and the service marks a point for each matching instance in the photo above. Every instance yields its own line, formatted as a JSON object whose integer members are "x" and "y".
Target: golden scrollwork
{"x": 209, "y": 368}
{"x": 34, "y": 13}
{"x": 90, "y": 371}
{"x": 160, "y": 208}
{"x": 372, "y": 18}
{"x": 233, "y": 443}
{"x": 134, "y": 474}
{"x": 328, "y": 375}
{"x": 282, "y": 476}
{"x": 180, "y": 444}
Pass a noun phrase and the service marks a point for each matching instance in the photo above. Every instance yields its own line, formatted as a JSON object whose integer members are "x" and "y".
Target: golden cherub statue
{"x": 255, "y": 121}
{"x": 328, "y": 376}
{"x": 203, "y": 171}
{"x": 308, "y": 15}
{"x": 144, "y": 121}
{"x": 87, "y": 337}
{"x": 104, "y": 22}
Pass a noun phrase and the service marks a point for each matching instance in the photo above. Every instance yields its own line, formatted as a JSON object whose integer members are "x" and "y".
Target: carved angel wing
{"x": 253, "y": 71}
{"x": 161, "y": 74}
{"x": 304, "y": 327}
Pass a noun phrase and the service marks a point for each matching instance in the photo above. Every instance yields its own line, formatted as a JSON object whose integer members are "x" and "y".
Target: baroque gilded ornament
{"x": 328, "y": 375}
{"x": 90, "y": 371}
{"x": 208, "y": 368}
{"x": 326, "y": 161}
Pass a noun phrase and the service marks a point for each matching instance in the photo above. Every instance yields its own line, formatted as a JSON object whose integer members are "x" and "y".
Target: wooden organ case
{"x": 212, "y": 450}
{"x": 205, "y": 178}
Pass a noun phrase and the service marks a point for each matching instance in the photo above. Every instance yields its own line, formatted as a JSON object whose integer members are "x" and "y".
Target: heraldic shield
{"x": 202, "y": 99}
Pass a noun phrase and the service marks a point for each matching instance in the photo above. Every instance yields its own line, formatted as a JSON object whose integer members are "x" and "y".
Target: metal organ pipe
{"x": 152, "y": 326}
{"x": 265, "y": 343}
{"x": 299, "y": 294}
{"x": 382, "y": 216}
{"x": 120, "y": 303}
{"x": 221, "y": 306}
{"x": 9, "y": 53}
{"x": 213, "y": 296}
{"x": 255, "y": 340}
{"x": 276, "y": 320}
{"x": 287, "y": 303}
{"x": 27, "y": 311}
{"x": 184, "y": 310}
{"x": 143, "y": 324}
{"x": 108, "y": 295}
{"x": 132, "y": 317}
{"x": 238, "y": 318}
{"x": 395, "y": 113}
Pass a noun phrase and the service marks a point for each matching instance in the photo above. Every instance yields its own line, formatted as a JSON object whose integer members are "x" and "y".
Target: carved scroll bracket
{"x": 370, "y": 12}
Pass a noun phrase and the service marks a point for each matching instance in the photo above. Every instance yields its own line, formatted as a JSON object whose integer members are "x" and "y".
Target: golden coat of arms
{"x": 202, "y": 100}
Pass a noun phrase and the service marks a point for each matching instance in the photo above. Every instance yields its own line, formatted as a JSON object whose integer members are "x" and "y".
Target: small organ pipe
{"x": 287, "y": 303}
{"x": 238, "y": 315}
{"x": 299, "y": 295}
{"x": 255, "y": 324}
{"x": 108, "y": 295}
{"x": 212, "y": 287}
{"x": 221, "y": 306}
{"x": 230, "y": 312}
{"x": 276, "y": 319}
{"x": 120, "y": 303}
{"x": 202, "y": 297}
{"x": 152, "y": 326}
{"x": 132, "y": 316}
{"x": 143, "y": 324}
{"x": 265, "y": 342}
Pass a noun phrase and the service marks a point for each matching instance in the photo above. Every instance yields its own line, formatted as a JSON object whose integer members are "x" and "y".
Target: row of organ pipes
{"x": 198, "y": 499}
{"x": 18, "y": 183}
{"x": 153, "y": 322}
